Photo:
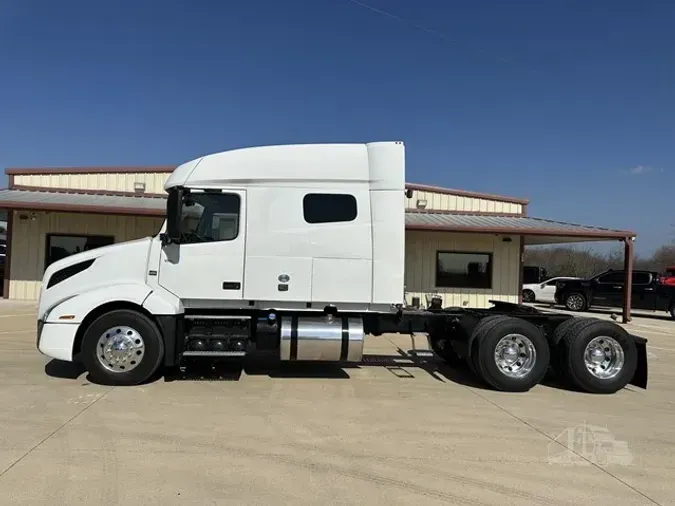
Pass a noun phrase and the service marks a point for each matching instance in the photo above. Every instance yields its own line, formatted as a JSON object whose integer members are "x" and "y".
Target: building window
{"x": 463, "y": 270}
{"x": 209, "y": 217}
{"x": 328, "y": 207}
{"x": 61, "y": 246}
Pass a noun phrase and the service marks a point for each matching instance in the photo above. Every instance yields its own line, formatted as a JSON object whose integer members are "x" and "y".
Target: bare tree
{"x": 663, "y": 257}
{"x": 585, "y": 262}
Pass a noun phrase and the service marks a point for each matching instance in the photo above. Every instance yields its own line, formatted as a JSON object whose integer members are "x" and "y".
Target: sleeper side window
{"x": 329, "y": 207}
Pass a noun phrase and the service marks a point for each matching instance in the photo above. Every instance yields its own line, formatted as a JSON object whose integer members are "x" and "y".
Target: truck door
{"x": 548, "y": 289}
{"x": 644, "y": 294}
{"x": 608, "y": 289}
{"x": 208, "y": 264}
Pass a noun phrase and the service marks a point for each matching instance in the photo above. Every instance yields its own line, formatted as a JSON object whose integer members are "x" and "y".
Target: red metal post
{"x": 521, "y": 267}
{"x": 628, "y": 280}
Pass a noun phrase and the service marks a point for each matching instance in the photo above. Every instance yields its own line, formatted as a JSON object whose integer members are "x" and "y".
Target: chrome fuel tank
{"x": 327, "y": 338}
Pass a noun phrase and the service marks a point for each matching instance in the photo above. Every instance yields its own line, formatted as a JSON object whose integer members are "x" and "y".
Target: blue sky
{"x": 570, "y": 104}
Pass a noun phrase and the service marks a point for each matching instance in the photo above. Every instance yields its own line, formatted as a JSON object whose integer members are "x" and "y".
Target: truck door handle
{"x": 231, "y": 285}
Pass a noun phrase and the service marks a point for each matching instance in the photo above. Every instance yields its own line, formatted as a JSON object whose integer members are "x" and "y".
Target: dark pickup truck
{"x": 606, "y": 290}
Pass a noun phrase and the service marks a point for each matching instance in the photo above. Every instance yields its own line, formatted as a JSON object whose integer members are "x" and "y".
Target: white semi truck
{"x": 298, "y": 250}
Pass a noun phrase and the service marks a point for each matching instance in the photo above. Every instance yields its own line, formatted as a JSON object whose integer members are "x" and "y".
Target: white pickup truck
{"x": 298, "y": 250}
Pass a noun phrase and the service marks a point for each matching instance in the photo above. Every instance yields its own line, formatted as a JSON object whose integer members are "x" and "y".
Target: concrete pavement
{"x": 392, "y": 432}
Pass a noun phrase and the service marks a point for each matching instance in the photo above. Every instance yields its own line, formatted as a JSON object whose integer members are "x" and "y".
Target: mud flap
{"x": 641, "y": 372}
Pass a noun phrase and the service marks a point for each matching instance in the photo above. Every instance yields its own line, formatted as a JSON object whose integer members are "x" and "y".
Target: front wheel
{"x": 575, "y": 302}
{"x": 528, "y": 296}
{"x": 122, "y": 347}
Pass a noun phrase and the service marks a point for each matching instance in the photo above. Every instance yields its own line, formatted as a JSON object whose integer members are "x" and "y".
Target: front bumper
{"x": 40, "y": 325}
{"x": 57, "y": 340}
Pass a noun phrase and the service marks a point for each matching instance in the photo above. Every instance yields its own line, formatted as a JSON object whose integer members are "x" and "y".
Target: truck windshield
{"x": 210, "y": 217}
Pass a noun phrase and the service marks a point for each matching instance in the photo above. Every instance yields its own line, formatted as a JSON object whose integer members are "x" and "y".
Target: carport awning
{"x": 82, "y": 202}
{"x": 535, "y": 230}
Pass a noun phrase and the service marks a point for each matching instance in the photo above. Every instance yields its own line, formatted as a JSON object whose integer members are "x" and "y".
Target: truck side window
{"x": 616, "y": 277}
{"x": 328, "y": 207}
{"x": 210, "y": 217}
{"x": 641, "y": 278}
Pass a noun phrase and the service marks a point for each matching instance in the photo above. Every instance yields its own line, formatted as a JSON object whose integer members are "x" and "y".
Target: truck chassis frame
{"x": 509, "y": 346}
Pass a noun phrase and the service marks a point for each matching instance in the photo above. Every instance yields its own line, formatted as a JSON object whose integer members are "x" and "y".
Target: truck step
{"x": 421, "y": 353}
{"x": 214, "y": 354}
{"x": 215, "y": 317}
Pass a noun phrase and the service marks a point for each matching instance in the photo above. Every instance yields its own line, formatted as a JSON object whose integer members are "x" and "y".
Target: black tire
{"x": 487, "y": 338}
{"x": 558, "y": 354}
{"x": 485, "y": 323}
{"x": 528, "y": 296}
{"x": 576, "y": 301}
{"x": 557, "y": 358}
{"x": 572, "y": 348}
{"x": 151, "y": 358}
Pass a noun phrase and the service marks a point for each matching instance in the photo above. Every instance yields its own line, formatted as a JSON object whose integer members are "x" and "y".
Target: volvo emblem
{"x": 284, "y": 278}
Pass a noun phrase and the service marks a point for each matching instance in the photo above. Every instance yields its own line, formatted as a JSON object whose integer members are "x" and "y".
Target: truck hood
{"x": 125, "y": 262}
{"x": 125, "y": 248}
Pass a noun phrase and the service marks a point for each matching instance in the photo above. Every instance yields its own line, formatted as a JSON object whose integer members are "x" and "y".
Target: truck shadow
{"x": 405, "y": 365}
{"x": 64, "y": 370}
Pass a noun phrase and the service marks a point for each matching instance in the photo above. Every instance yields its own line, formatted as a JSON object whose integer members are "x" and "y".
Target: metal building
{"x": 465, "y": 247}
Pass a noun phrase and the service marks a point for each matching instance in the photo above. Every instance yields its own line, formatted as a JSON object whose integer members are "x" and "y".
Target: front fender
{"x": 75, "y": 309}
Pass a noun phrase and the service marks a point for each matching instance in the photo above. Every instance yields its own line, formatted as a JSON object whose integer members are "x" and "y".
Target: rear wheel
{"x": 557, "y": 363}
{"x": 598, "y": 356}
{"x": 510, "y": 354}
{"x": 481, "y": 327}
{"x": 528, "y": 296}
{"x": 575, "y": 301}
{"x": 122, "y": 347}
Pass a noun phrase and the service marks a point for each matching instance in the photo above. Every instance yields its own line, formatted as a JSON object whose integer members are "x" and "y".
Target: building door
{"x": 208, "y": 264}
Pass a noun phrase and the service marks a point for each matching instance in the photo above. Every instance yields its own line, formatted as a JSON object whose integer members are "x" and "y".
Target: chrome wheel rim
{"x": 120, "y": 349}
{"x": 604, "y": 357}
{"x": 528, "y": 296}
{"x": 515, "y": 355}
{"x": 575, "y": 302}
